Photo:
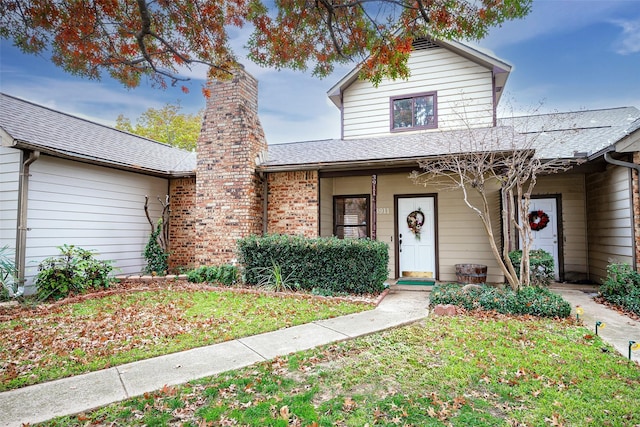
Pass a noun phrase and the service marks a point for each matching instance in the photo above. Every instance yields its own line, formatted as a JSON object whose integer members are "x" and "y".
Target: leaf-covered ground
{"x": 100, "y": 330}
{"x": 479, "y": 370}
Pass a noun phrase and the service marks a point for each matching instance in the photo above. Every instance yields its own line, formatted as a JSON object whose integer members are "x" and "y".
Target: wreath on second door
{"x": 538, "y": 220}
{"x": 415, "y": 221}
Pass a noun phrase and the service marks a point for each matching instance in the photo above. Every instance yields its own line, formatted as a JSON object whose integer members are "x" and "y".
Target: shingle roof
{"x": 390, "y": 148}
{"x": 559, "y": 135}
{"x": 37, "y": 127}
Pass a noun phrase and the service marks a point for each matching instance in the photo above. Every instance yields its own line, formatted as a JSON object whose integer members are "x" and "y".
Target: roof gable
{"x": 499, "y": 67}
{"x": 35, "y": 127}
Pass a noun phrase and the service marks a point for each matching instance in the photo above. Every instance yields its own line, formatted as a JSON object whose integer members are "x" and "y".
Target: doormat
{"x": 416, "y": 282}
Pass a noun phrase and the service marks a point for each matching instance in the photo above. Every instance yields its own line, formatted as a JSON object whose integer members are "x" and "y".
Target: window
{"x": 414, "y": 112}
{"x": 351, "y": 216}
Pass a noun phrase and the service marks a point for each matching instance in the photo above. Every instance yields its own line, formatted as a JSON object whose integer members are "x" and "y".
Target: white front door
{"x": 547, "y": 238}
{"x": 416, "y": 237}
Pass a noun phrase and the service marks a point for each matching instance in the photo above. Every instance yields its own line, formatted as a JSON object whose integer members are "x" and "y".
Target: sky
{"x": 567, "y": 55}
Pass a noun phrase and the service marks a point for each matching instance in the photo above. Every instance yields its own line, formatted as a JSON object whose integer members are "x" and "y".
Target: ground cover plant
{"x": 471, "y": 370}
{"x": 533, "y": 300}
{"x": 622, "y": 288}
{"x": 89, "y": 333}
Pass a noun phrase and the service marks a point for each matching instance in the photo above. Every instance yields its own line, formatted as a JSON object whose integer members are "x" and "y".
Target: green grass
{"x": 44, "y": 344}
{"x": 460, "y": 371}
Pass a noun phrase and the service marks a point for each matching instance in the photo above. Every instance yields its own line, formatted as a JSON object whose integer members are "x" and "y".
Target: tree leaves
{"x": 132, "y": 39}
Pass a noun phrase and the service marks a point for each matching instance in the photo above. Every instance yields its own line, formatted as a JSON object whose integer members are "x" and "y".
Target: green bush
{"x": 157, "y": 258}
{"x": 224, "y": 274}
{"x": 76, "y": 270}
{"x": 622, "y": 287}
{"x": 541, "y": 266}
{"x": 533, "y": 300}
{"x": 354, "y": 266}
{"x": 8, "y": 275}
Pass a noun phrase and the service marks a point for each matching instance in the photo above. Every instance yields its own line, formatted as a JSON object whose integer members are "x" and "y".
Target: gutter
{"x": 23, "y": 202}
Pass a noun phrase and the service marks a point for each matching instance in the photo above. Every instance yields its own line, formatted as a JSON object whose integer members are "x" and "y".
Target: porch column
{"x": 374, "y": 206}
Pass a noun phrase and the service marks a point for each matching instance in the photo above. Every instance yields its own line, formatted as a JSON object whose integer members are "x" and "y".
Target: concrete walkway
{"x": 403, "y": 305}
{"x": 80, "y": 393}
{"x": 618, "y": 330}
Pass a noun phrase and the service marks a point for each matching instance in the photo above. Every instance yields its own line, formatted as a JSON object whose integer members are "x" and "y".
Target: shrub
{"x": 224, "y": 274}
{"x": 354, "y": 266}
{"x": 622, "y": 287}
{"x": 155, "y": 255}
{"x": 531, "y": 300}
{"x": 76, "y": 270}
{"x": 8, "y": 275}
{"x": 541, "y": 266}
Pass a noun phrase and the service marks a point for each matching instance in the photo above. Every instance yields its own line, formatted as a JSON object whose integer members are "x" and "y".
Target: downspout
{"x": 23, "y": 205}
{"x": 265, "y": 203}
{"x": 616, "y": 162}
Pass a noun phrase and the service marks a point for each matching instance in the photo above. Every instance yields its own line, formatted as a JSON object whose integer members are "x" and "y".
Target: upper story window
{"x": 414, "y": 112}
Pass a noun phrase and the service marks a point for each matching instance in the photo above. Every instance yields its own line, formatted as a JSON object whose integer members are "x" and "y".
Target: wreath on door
{"x": 538, "y": 220}
{"x": 415, "y": 221}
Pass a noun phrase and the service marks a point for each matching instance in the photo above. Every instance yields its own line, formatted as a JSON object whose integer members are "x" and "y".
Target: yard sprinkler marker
{"x": 579, "y": 312}
{"x": 633, "y": 346}
{"x": 600, "y": 325}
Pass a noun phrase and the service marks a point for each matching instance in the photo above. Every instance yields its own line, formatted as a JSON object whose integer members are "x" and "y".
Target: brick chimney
{"x": 228, "y": 189}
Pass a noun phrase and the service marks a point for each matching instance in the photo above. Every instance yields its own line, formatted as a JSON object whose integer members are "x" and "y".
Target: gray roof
{"x": 36, "y": 127}
{"x": 561, "y": 135}
{"x": 391, "y": 150}
{"x": 558, "y": 135}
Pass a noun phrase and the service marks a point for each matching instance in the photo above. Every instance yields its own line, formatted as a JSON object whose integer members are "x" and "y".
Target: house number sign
{"x": 382, "y": 211}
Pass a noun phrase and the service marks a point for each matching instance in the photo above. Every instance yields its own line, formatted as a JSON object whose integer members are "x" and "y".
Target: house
{"x": 66, "y": 180}
{"x": 358, "y": 185}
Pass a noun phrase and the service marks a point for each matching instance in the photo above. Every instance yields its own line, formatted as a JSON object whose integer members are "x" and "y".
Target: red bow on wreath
{"x": 538, "y": 220}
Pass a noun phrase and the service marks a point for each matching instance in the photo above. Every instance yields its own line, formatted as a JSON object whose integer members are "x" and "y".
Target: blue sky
{"x": 568, "y": 55}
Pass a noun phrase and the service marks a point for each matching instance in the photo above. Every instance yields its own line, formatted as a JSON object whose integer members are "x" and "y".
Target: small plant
{"x": 8, "y": 275}
{"x": 76, "y": 270}
{"x": 533, "y": 300}
{"x": 622, "y": 287}
{"x": 224, "y": 274}
{"x": 273, "y": 279}
{"x": 154, "y": 253}
{"x": 541, "y": 266}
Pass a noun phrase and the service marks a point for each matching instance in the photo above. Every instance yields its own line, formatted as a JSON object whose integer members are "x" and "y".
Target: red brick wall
{"x": 182, "y": 192}
{"x": 228, "y": 190}
{"x": 293, "y": 203}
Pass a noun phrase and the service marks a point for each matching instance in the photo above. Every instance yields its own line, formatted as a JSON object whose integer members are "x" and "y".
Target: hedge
{"x": 354, "y": 266}
{"x": 531, "y": 300}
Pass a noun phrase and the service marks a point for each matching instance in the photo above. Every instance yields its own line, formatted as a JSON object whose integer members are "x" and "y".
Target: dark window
{"x": 414, "y": 112}
{"x": 351, "y": 216}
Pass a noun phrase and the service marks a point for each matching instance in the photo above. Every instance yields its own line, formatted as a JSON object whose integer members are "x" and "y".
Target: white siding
{"x": 9, "y": 179}
{"x": 609, "y": 220}
{"x": 92, "y": 207}
{"x": 464, "y": 94}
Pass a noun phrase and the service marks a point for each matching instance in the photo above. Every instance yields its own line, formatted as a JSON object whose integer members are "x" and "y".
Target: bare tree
{"x": 484, "y": 160}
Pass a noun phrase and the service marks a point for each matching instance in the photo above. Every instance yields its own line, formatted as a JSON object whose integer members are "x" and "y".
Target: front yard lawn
{"x": 54, "y": 341}
{"x": 475, "y": 370}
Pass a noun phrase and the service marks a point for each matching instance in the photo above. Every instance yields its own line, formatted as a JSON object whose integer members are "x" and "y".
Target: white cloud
{"x": 551, "y": 17}
{"x": 629, "y": 41}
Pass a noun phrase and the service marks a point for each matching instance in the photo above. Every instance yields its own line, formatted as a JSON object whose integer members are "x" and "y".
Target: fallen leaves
{"x": 95, "y": 331}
